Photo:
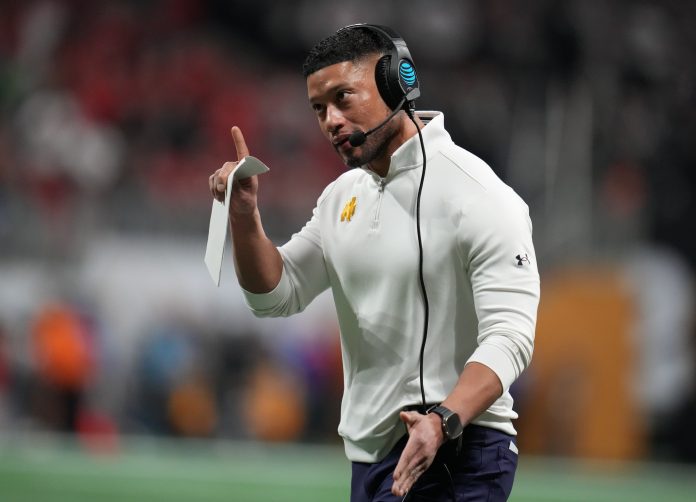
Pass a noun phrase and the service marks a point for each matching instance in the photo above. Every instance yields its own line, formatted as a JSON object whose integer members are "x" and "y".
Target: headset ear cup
{"x": 386, "y": 90}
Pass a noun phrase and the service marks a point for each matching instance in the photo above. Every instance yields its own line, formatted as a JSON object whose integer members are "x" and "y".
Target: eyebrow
{"x": 328, "y": 91}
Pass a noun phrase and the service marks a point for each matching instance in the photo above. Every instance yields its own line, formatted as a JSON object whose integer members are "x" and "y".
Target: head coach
{"x": 430, "y": 260}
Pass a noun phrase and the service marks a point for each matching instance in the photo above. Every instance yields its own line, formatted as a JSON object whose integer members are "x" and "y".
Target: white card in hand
{"x": 217, "y": 232}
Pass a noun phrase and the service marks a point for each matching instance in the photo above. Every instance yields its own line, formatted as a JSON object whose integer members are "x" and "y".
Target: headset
{"x": 395, "y": 72}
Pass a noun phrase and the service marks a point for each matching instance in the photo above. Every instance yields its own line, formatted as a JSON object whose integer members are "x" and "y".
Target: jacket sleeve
{"x": 504, "y": 279}
{"x": 304, "y": 273}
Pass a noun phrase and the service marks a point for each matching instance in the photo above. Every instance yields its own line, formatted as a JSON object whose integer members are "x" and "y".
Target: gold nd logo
{"x": 348, "y": 210}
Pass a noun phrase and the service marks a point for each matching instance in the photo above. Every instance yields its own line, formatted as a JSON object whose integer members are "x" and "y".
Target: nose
{"x": 334, "y": 119}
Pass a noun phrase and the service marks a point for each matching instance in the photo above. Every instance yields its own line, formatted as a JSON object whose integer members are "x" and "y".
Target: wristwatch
{"x": 451, "y": 425}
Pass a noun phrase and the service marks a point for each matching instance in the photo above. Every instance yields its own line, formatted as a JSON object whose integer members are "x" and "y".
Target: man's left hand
{"x": 425, "y": 437}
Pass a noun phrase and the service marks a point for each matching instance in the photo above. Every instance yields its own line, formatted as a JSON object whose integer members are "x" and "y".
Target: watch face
{"x": 451, "y": 424}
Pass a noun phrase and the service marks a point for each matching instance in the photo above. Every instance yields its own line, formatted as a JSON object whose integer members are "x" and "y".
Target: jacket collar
{"x": 409, "y": 155}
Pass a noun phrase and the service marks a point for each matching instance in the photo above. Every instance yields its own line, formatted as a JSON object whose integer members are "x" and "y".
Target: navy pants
{"x": 483, "y": 471}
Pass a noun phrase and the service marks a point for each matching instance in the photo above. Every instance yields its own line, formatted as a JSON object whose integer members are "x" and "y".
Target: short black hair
{"x": 345, "y": 45}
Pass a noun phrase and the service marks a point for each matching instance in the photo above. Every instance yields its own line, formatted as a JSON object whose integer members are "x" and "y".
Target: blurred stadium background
{"x": 126, "y": 375}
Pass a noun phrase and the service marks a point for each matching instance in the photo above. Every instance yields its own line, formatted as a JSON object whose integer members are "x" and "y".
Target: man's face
{"x": 345, "y": 99}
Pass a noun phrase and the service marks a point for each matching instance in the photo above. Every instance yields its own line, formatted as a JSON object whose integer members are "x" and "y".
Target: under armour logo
{"x": 348, "y": 210}
{"x": 522, "y": 259}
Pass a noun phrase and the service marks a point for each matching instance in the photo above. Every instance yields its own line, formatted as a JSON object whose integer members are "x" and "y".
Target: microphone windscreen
{"x": 357, "y": 138}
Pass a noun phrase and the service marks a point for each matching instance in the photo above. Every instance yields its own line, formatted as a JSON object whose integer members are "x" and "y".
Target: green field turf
{"x": 147, "y": 470}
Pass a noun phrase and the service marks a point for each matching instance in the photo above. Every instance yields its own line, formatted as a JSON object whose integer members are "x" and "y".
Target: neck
{"x": 380, "y": 165}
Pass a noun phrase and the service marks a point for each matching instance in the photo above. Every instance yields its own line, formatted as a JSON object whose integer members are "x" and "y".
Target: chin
{"x": 352, "y": 161}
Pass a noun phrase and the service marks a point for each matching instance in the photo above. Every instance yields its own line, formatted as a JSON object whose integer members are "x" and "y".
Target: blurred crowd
{"x": 114, "y": 113}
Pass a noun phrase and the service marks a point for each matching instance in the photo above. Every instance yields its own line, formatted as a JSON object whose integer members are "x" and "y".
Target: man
{"x": 479, "y": 277}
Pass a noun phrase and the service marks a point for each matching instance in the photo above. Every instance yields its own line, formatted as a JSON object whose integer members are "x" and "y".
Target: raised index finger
{"x": 239, "y": 143}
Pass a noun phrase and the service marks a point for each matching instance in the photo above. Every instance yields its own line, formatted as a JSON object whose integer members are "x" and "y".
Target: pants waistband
{"x": 420, "y": 408}
{"x": 471, "y": 432}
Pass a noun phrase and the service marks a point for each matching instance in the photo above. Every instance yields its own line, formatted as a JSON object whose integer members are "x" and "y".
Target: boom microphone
{"x": 358, "y": 137}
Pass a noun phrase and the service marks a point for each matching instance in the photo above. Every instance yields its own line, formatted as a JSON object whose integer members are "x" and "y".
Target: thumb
{"x": 410, "y": 418}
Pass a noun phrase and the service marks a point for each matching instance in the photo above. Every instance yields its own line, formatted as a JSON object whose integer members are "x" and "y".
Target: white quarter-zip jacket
{"x": 480, "y": 275}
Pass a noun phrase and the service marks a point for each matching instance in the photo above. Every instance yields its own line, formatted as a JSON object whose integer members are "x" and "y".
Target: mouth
{"x": 341, "y": 143}
{"x": 338, "y": 141}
